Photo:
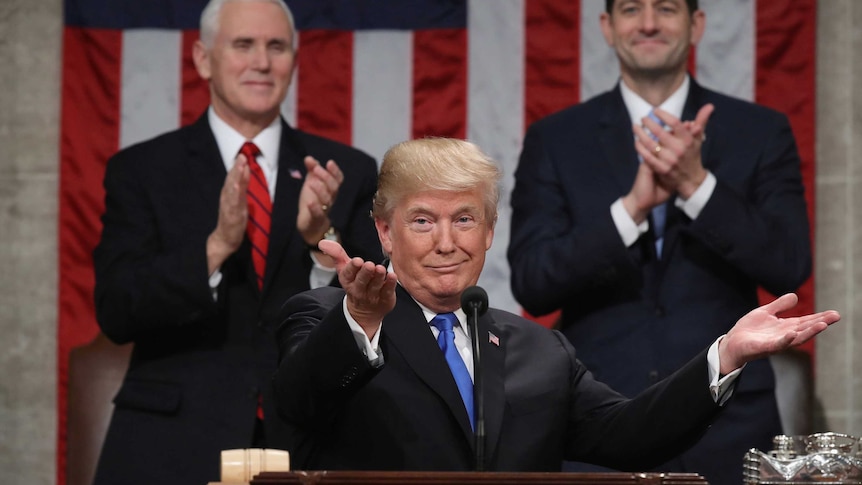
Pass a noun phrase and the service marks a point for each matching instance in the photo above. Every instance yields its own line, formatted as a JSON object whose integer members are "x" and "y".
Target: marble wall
{"x": 30, "y": 47}
{"x": 838, "y": 380}
{"x": 30, "y": 50}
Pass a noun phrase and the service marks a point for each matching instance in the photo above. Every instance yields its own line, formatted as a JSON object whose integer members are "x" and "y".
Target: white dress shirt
{"x": 268, "y": 141}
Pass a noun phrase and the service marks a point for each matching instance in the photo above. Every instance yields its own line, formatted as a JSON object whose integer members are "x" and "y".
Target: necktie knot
{"x": 250, "y": 150}
{"x": 444, "y": 322}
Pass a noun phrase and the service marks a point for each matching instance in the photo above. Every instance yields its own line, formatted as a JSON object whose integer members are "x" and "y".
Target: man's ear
{"x": 606, "y": 22}
{"x": 698, "y": 26}
{"x": 202, "y": 60}
{"x": 384, "y": 233}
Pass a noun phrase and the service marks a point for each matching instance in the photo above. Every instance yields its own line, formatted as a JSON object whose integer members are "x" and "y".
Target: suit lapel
{"x": 291, "y": 175}
{"x": 617, "y": 141}
{"x": 406, "y": 329}
{"x": 204, "y": 162}
{"x": 493, "y": 358}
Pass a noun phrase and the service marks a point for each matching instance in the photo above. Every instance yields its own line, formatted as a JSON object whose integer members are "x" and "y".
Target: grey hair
{"x": 209, "y": 24}
{"x": 436, "y": 164}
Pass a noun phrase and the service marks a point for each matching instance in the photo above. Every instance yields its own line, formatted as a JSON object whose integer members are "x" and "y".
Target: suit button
{"x": 253, "y": 392}
{"x": 653, "y": 376}
{"x": 659, "y": 311}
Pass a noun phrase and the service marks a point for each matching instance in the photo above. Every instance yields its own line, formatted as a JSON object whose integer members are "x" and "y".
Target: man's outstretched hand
{"x": 370, "y": 287}
{"x": 761, "y": 333}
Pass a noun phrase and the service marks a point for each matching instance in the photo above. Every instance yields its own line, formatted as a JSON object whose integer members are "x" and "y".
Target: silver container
{"x": 821, "y": 458}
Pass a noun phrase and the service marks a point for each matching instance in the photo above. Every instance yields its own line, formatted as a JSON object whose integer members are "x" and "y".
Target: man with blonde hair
{"x": 207, "y": 231}
{"x": 378, "y": 375}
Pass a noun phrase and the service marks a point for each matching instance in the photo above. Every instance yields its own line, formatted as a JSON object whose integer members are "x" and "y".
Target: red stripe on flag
{"x": 89, "y": 135}
{"x": 785, "y": 81}
{"x": 439, "y": 83}
{"x": 552, "y": 69}
{"x": 195, "y": 93}
{"x": 552, "y": 57}
{"x": 324, "y": 104}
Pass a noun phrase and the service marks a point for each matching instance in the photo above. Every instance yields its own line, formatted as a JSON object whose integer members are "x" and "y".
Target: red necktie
{"x": 259, "y": 221}
{"x": 259, "y": 211}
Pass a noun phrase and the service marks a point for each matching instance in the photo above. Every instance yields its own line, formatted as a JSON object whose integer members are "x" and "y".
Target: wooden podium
{"x": 473, "y": 478}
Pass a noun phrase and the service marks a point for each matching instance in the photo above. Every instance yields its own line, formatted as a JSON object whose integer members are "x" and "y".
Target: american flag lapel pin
{"x": 294, "y": 173}
{"x": 493, "y": 339}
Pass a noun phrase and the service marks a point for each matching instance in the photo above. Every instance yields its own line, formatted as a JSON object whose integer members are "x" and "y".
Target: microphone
{"x": 475, "y": 297}
{"x": 474, "y": 302}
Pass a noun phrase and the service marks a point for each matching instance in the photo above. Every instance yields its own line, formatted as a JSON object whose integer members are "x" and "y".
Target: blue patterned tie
{"x": 659, "y": 212}
{"x": 444, "y": 322}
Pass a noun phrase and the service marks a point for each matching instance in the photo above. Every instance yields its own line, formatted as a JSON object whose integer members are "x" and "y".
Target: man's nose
{"x": 444, "y": 238}
{"x": 260, "y": 58}
{"x": 649, "y": 21}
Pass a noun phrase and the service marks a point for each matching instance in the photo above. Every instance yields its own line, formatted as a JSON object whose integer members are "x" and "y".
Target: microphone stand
{"x": 478, "y": 388}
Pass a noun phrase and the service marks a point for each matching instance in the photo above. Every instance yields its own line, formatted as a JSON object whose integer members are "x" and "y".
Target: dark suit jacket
{"x": 542, "y": 405}
{"x": 635, "y": 318}
{"x": 198, "y": 365}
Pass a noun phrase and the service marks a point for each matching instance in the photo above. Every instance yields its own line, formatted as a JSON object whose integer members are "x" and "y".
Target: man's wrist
{"x": 331, "y": 234}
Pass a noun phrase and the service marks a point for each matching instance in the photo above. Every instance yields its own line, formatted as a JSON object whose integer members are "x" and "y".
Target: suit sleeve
{"x": 142, "y": 285}
{"x": 640, "y": 433}
{"x": 320, "y": 365}
{"x": 761, "y": 229}
{"x": 555, "y": 257}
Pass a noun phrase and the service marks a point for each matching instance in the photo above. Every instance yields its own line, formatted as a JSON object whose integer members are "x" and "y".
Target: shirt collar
{"x": 638, "y": 108}
{"x": 229, "y": 141}
{"x": 429, "y": 315}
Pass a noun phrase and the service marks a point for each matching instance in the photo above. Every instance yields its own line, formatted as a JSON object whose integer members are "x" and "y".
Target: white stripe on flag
{"x": 725, "y": 56}
{"x": 382, "y": 90}
{"x": 495, "y": 115}
{"x": 288, "y": 106}
{"x": 150, "y": 88}
{"x": 600, "y": 69}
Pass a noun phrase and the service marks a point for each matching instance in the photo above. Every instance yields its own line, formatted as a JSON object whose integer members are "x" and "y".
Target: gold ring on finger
{"x": 657, "y": 149}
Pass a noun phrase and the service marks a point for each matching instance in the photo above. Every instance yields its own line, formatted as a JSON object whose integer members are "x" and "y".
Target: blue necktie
{"x": 444, "y": 322}
{"x": 659, "y": 212}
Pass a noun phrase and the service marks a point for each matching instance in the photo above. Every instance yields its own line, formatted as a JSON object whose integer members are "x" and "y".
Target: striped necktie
{"x": 259, "y": 211}
{"x": 445, "y": 322}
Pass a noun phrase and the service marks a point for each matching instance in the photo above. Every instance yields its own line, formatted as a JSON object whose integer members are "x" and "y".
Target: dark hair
{"x": 692, "y": 5}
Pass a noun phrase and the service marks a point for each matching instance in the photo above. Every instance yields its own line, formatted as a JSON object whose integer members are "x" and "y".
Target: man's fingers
{"x": 324, "y": 181}
{"x": 808, "y": 333}
{"x": 335, "y": 251}
{"x": 782, "y": 303}
{"x": 334, "y": 171}
{"x": 239, "y": 174}
{"x": 703, "y": 115}
{"x": 310, "y": 162}
{"x": 365, "y": 274}
{"x": 668, "y": 119}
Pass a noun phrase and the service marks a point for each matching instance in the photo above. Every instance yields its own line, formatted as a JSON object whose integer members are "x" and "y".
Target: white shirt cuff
{"x": 369, "y": 347}
{"x": 629, "y": 231}
{"x": 214, "y": 281}
{"x": 695, "y": 204}
{"x": 721, "y": 388}
{"x": 320, "y": 275}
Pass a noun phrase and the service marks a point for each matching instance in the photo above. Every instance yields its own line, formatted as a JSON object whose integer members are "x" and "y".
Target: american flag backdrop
{"x": 372, "y": 73}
